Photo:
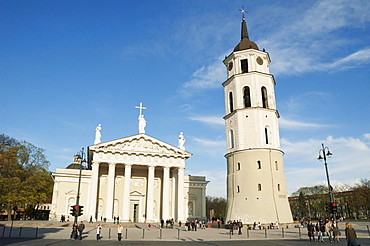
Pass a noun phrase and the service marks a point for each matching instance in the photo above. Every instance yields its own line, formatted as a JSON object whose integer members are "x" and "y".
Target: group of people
{"x": 331, "y": 230}
{"x": 235, "y": 225}
{"x": 322, "y": 227}
{"x": 77, "y": 231}
{"x": 63, "y": 218}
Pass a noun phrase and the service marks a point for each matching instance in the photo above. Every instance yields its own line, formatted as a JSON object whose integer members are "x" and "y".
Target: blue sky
{"x": 67, "y": 66}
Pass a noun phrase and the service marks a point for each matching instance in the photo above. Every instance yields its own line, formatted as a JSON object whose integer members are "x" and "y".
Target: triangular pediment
{"x": 140, "y": 143}
{"x": 136, "y": 193}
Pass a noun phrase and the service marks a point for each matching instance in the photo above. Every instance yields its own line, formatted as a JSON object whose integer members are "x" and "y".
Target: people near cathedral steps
{"x": 80, "y": 228}
{"x": 119, "y": 231}
{"x": 91, "y": 219}
{"x": 98, "y": 231}
{"x": 311, "y": 231}
{"x": 351, "y": 235}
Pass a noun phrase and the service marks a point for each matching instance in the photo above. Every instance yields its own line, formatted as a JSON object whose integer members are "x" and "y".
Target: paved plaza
{"x": 55, "y": 233}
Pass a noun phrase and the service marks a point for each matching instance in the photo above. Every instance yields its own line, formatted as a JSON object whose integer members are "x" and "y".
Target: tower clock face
{"x": 230, "y": 65}
{"x": 259, "y": 60}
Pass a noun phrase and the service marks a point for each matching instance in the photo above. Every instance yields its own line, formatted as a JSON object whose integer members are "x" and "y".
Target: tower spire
{"x": 244, "y": 32}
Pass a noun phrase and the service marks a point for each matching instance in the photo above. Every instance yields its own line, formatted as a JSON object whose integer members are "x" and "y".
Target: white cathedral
{"x": 136, "y": 179}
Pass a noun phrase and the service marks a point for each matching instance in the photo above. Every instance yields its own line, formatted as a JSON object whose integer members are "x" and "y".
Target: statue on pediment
{"x": 97, "y": 134}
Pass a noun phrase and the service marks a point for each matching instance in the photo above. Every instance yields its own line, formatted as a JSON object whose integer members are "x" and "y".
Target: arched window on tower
{"x": 268, "y": 137}
{"x": 276, "y": 165}
{"x": 259, "y": 164}
{"x": 238, "y": 188}
{"x": 247, "y": 97}
{"x": 265, "y": 102}
{"x": 259, "y": 187}
{"x": 244, "y": 65}
{"x": 231, "y": 139}
{"x": 231, "y": 102}
{"x": 278, "y": 187}
{"x": 238, "y": 166}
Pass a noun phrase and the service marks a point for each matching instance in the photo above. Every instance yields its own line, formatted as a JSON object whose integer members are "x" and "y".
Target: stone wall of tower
{"x": 256, "y": 187}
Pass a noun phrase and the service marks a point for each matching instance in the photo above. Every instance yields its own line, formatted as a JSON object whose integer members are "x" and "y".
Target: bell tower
{"x": 256, "y": 185}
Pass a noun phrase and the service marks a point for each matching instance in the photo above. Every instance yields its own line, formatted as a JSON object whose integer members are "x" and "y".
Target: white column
{"x": 180, "y": 194}
{"x": 166, "y": 193}
{"x": 204, "y": 212}
{"x": 93, "y": 190}
{"x": 110, "y": 192}
{"x": 150, "y": 194}
{"x": 126, "y": 194}
{"x": 174, "y": 200}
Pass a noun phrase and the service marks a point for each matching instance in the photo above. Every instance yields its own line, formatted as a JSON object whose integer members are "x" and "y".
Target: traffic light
{"x": 74, "y": 210}
{"x": 80, "y": 210}
{"x": 334, "y": 207}
{"x": 329, "y": 207}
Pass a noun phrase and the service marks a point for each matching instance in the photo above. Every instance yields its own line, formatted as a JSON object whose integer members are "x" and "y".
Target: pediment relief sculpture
{"x": 139, "y": 145}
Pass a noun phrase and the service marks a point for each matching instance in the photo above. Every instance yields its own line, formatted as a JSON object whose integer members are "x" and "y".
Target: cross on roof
{"x": 140, "y": 107}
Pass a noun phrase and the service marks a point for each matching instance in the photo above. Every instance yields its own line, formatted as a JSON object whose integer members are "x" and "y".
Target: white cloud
{"x": 214, "y": 120}
{"x": 349, "y": 163}
{"x": 353, "y": 60}
{"x": 292, "y": 124}
{"x": 206, "y": 142}
{"x": 304, "y": 45}
{"x": 209, "y": 77}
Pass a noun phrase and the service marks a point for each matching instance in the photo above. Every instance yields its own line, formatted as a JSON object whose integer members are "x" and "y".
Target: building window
{"x": 238, "y": 166}
{"x": 266, "y": 135}
{"x": 264, "y": 97}
{"x": 231, "y": 102}
{"x": 238, "y": 188}
{"x": 278, "y": 187}
{"x": 244, "y": 65}
{"x": 276, "y": 165}
{"x": 259, "y": 187}
{"x": 247, "y": 97}
{"x": 231, "y": 139}
{"x": 259, "y": 164}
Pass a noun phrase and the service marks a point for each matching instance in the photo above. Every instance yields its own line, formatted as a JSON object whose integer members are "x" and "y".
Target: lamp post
{"x": 326, "y": 153}
{"x": 82, "y": 162}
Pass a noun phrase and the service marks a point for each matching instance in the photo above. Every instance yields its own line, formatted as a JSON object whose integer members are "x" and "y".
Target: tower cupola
{"x": 245, "y": 43}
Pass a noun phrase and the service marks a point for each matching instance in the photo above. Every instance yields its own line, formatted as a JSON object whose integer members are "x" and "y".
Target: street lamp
{"x": 82, "y": 163}
{"x": 326, "y": 153}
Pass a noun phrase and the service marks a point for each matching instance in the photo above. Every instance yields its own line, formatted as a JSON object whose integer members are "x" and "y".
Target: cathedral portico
{"x": 138, "y": 179}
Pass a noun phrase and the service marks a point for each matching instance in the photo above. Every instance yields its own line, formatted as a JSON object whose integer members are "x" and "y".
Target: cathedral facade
{"x": 136, "y": 179}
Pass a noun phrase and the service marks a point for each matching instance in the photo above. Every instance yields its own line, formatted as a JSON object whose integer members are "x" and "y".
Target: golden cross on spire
{"x": 140, "y": 107}
{"x": 243, "y": 11}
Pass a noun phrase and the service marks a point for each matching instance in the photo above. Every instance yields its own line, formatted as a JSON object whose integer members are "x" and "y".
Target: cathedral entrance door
{"x": 134, "y": 211}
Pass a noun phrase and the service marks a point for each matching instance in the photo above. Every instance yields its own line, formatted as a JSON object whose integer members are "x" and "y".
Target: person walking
{"x": 119, "y": 231}
{"x": 336, "y": 232}
{"x": 351, "y": 235}
{"x": 329, "y": 230}
{"x": 240, "y": 226}
{"x": 98, "y": 232}
{"x": 311, "y": 231}
{"x": 80, "y": 229}
{"x": 74, "y": 232}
